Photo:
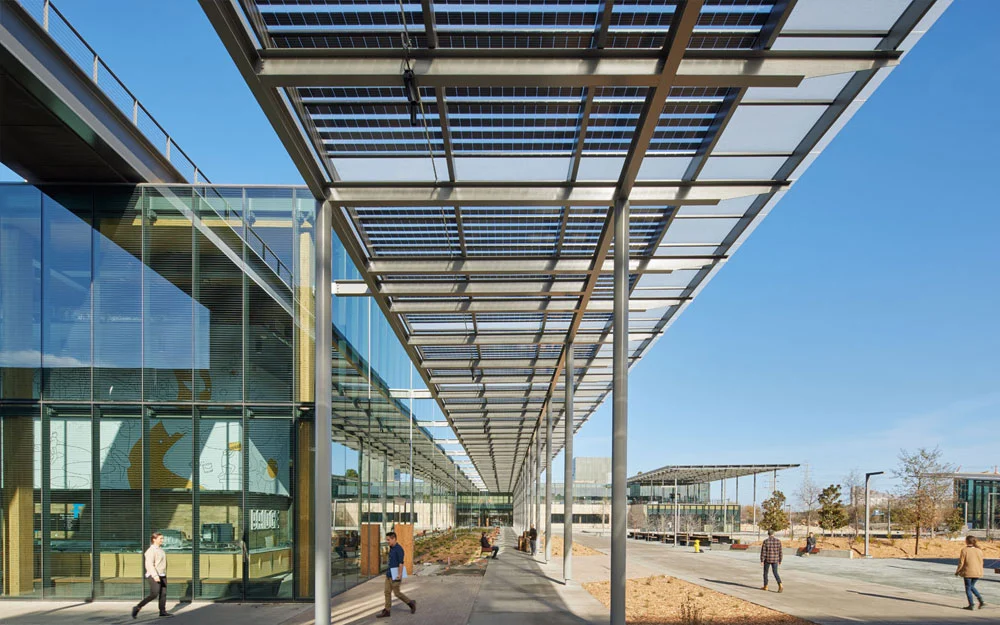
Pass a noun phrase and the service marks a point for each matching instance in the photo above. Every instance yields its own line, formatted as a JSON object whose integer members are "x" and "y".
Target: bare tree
{"x": 807, "y": 496}
{"x": 637, "y": 516}
{"x": 926, "y": 483}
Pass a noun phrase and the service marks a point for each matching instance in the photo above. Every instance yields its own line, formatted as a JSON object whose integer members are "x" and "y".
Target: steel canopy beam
{"x": 752, "y": 69}
{"x": 549, "y": 338}
{"x": 553, "y": 266}
{"x": 538, "y": 195}
{"x": 522, "y": 305}
{"x": 492, "y": 287}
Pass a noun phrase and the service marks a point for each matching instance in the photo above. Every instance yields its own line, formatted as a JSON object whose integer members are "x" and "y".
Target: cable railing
{"x": 86, "y": 58}
{"x": 55, "y": 24}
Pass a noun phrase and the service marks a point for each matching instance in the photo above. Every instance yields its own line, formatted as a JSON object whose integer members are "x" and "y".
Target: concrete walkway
{"x": 516, "y": 588}
{"x": 827, "y": 591}
{"x": 519, "y": 588}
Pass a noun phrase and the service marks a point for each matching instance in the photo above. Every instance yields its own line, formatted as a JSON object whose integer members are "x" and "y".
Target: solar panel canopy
{"x": 474, "y": 152}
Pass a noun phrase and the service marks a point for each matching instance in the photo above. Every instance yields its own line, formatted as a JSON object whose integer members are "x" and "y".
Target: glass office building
{"x": 978, "y": 496}
{"x": 156, "y": 349}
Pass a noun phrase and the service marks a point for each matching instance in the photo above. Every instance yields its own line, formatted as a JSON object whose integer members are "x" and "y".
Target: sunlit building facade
{"x": 155, "y": 375}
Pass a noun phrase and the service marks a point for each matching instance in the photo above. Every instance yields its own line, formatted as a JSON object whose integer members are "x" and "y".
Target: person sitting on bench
{"x": 485, "y": 542}
{"x": 810, "y": 545}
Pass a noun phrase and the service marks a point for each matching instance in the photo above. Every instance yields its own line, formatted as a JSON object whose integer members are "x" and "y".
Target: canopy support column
{"x": 322, "y": 479}
{"x": 548, "y": 481}
{"x": 538, "y": 476}
{"x": 568, "y": 467}
{"x": 619, "y": 419}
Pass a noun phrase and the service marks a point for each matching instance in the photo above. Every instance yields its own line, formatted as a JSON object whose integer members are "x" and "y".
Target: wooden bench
{"x": 801, "y": 550}
{"x": 739, "y": 546}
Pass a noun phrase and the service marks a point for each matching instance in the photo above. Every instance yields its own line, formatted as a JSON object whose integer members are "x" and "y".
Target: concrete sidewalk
{"x": 811, "y": 592}
{"x": 520, "y": 588}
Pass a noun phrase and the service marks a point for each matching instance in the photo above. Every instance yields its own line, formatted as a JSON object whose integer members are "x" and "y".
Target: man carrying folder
{"x": 394, "y": 576}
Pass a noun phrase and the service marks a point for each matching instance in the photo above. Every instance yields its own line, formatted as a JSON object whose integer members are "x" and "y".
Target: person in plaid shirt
{"x": 770, "y": 557}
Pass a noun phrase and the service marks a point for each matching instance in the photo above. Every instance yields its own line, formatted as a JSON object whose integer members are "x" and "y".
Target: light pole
{"x": 868, "y": 476}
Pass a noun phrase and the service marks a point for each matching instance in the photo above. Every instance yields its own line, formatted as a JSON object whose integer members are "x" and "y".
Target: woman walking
{"x": 970, "y": 567}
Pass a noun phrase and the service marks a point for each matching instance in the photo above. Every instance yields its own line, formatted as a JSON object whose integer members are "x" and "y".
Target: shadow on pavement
{"x": 727, "y": 583}
{"x": 871, "y": 594}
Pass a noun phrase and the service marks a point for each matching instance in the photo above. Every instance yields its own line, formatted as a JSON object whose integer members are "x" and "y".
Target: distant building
{"x": 978, "y": 494}
{"x": 592, "y": 470}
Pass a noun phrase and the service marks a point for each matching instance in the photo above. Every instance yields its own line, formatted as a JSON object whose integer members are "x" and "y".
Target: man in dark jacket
{"x": 770, "y": 557}
{"x": 394, "y": 576}
{"x": 533, "y": 537}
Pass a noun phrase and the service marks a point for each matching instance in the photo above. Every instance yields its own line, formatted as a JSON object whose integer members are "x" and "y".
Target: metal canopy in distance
{"x": 700, "y": 474}
{"x": 481, "y": 215}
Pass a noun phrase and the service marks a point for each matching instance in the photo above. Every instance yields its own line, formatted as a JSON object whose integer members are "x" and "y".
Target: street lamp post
{"x": 868, "y": 476}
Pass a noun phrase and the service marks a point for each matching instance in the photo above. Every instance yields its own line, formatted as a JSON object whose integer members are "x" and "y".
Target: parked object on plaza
{"x": 770, "y": 558}
{"x": 970, "y": 568}
{"x": 395, "y": 573}
{"x": 156, "y": 570}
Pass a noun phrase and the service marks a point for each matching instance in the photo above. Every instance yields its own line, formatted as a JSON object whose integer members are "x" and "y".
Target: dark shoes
{"x": 982, "y": 604}
{"x": 969, "y": 607}
{"x": 135, "y": 611}
{"x": 413, "y": 607}
{"x": 165, "y": 614}
{"x": 383, "y": 614}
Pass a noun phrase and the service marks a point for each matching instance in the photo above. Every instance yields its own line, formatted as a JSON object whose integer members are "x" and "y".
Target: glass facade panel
{"x": 218, "y": 321}
{"x": 219, "y": 503}
{"x": 168, "y": 307}
{"x": 66, "y": 294}
{"x": 117, "y": 275}
{"x": 169, "y": 455}
{"x": 68, "y": 502}
{"x": 119, "y": 535}
{"x": 269, "y": 509}
{"x": 20, "y": 292}
{"x": 156, "y": 350}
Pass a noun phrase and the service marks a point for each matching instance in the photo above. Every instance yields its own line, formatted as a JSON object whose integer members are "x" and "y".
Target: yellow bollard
{"x": 697, "y": 546}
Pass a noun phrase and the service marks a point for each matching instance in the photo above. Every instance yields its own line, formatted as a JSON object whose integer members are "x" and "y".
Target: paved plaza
{"x": 825, "y": 591}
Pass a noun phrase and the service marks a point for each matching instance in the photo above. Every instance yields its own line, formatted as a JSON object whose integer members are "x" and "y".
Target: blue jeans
{"x": 970, "y": 589}
{"x": 774, "y": 567}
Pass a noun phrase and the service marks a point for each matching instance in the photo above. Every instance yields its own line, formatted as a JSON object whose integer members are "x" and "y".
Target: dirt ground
{"x": 557, "y": 547}
{"x": 900, "y": 547}
{"x": 663, "y": 600}
{"x": 444, "y": 548}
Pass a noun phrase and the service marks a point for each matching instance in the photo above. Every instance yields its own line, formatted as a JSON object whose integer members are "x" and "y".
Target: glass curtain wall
{"x": 156, "y": 374}
{"x": 149, "y": 361}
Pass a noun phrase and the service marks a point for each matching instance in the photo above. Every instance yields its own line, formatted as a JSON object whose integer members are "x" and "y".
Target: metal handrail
{"x": 48, "y": 17}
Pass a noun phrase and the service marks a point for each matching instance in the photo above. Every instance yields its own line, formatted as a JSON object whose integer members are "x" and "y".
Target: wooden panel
{"x": 18, "y": 506}
{"x": 371, "y": 535}
{"x": 404, "y": 536}
{"x": 304, "y": 455}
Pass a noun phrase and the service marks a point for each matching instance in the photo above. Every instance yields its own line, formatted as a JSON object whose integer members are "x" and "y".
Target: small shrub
{"x": 691, "y": 613}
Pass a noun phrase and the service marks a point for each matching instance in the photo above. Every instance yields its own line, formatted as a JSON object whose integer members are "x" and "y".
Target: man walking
{"x": 770, "y": 557}
{"x": 156, "y": 570}
{"x": 394, "y": 576}
{"x": 533, "y": 537}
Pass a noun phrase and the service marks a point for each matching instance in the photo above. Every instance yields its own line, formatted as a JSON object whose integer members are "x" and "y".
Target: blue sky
{"x": 859, "y": 318}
